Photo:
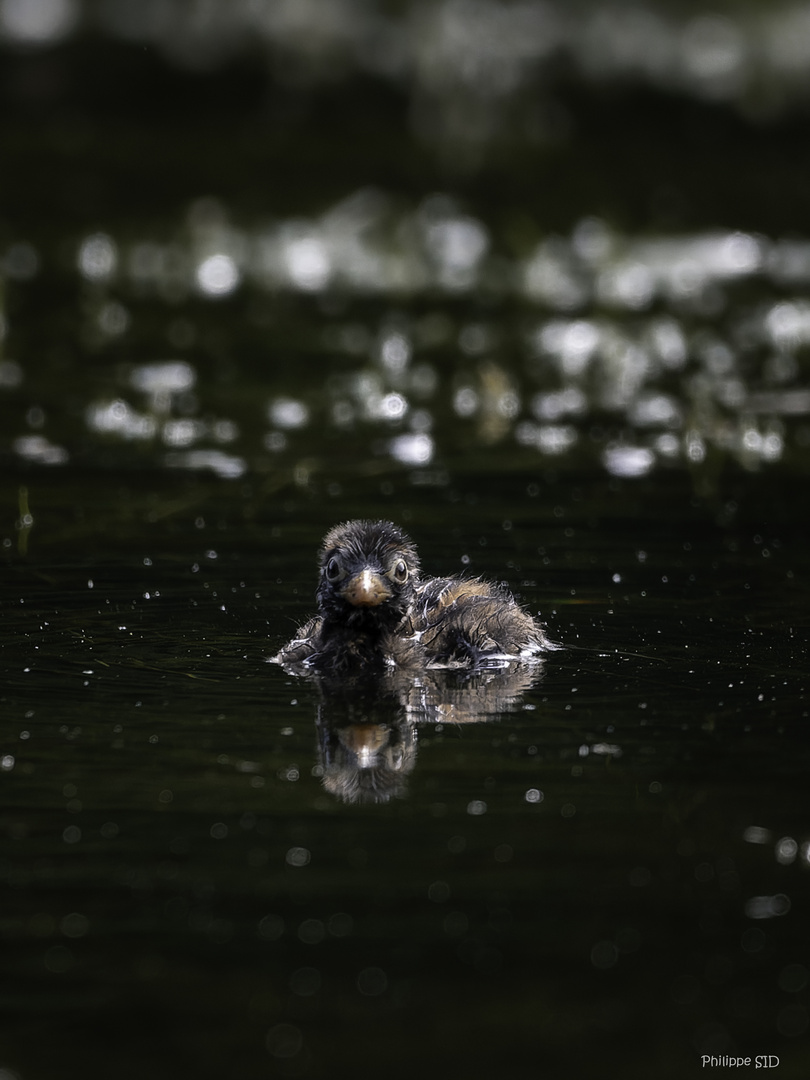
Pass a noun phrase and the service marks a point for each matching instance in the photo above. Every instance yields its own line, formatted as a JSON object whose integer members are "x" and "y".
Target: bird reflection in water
{"x": 389, "y": 650}
{"x": 367, "y": 728}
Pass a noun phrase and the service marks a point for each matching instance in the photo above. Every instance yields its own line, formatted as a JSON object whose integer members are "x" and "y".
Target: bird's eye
{"x": 401, "y": 571}
{"x": 333, "y": 570}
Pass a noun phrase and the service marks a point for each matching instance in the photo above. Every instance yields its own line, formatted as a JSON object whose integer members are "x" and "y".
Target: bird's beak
{"x": 366, "y": 589}
{"x": 366, "y": 741}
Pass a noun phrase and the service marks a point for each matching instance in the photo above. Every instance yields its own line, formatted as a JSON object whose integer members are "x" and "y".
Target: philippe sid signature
{"x": 726, "y": 1061}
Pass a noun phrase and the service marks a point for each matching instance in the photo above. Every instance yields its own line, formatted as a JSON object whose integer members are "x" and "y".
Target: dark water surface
{"x": 611, "y": 867}
{"x": 531, "y": 280}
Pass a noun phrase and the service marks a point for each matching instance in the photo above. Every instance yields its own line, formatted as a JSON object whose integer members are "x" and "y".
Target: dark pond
{"x": 264, "y": 270}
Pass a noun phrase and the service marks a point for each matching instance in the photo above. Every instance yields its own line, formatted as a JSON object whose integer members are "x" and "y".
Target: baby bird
{"x": 376, "y": 612}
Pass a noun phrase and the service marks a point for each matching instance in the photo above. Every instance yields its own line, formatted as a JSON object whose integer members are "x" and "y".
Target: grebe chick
{"x": 374, "y": 611}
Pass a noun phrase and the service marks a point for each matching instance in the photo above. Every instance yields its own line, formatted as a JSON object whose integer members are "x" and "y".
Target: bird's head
{"x": 368, "y": 574}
